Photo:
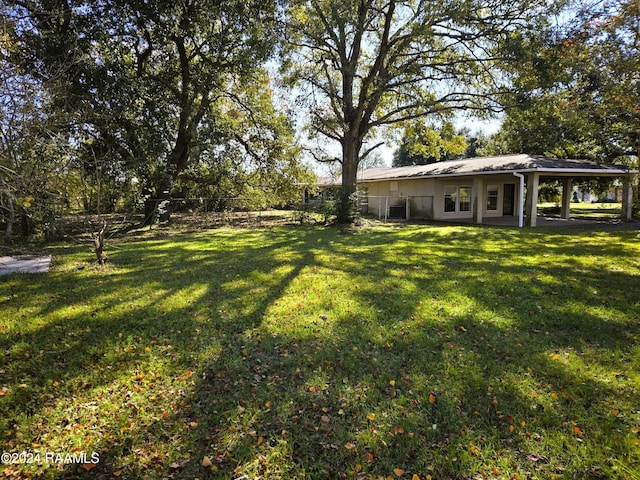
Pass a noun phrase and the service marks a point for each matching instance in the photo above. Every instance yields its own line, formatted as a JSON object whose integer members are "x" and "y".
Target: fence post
{"x": 386, "y": 208}
{"x": 407, "y": 207}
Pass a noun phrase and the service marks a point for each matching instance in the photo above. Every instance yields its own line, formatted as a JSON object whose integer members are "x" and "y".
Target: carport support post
{"x": 627, "y": 198}
{"x": 533, "y": 182}
{"x": 478, "y": 185}
{"x": 566, "y": 198}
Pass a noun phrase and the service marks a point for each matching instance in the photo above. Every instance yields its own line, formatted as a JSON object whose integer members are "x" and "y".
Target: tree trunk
{"x": 350, "y": 155}
{"x": 98, "y": 242}
{"x": 26, "y": 222}
{"x": 6, "y": 201}
{"x": 8, "y": 232}
{"x": 157, "y": 207}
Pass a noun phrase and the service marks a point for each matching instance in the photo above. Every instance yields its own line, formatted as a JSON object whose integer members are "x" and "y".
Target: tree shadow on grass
{"x": 338, "y": 379}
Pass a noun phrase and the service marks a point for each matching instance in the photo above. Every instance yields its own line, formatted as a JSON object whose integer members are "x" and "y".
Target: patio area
{"x": 550, "y": 221}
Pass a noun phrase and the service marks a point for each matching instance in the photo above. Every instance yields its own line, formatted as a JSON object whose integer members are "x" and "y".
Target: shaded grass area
{"x": 585, "y": 210}
{"x": 398, "y": 351}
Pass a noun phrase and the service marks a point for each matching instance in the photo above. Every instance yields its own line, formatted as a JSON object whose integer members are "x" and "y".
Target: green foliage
{"x": 550, "y": 191}
{"x": 134, "y": 100}
{"x": 422, "y": 144}
{"x": 577, "y": 92}
{"x": 297, "y": 353}
{"x": 324, "y": 208}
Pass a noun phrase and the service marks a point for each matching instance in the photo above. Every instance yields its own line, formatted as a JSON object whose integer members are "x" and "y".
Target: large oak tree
{"x": 370, "y": 64}
{"x": 157, "y": 89}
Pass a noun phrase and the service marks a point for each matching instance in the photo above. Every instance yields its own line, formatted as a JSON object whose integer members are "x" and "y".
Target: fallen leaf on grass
{"x": 178, "y": 465}
{"x": 206, "y": 462}
{"x": 474, "y": 450}
{"x": 89, "y": 466}
{"x": 577, "y": 431}
{"x": 398, "y": 471}
{"x": 3, "y": 391}
{"x": 433, "y": 398}
{"x": 349, "y": 445}
{"x": 371, "y": 416}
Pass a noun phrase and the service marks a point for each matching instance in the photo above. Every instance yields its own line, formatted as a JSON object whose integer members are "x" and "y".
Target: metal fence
{"x": 54, "y": 221}
{"x": 211, "y": 212}
{"x": 397, "y": 208}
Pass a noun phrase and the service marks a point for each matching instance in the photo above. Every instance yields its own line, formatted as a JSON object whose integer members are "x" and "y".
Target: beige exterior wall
{"x": 435, "y": 188}
{"x": 421, "y": 191}
{"x": 402, "y": 188}
{"x": 481, "y": 181}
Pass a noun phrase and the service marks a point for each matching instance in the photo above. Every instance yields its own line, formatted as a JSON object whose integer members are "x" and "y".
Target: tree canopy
{"x": 422, "y": 144}
{"x": 166, "y": 93}
{"x": 577, "y": 87}
{"x": 370, "y": 64}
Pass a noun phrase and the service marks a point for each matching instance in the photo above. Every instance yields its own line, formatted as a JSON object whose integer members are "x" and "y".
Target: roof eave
{"x": 558, "y": 171}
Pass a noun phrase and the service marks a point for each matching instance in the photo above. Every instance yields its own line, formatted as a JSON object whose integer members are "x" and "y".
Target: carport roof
{"x": 489, "y": 166}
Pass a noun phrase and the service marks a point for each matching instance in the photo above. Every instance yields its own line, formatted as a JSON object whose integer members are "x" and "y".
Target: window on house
{"x": 492, "y": 198}
{"x": 457, "y": 199}
{"x": 450, "y": 198}
{"x": 464, "y": 203}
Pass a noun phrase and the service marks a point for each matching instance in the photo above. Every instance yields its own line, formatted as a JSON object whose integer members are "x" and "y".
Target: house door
{"x": 508, "y": 202}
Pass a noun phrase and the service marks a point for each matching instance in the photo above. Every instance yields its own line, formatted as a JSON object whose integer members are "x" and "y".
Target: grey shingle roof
{"x": 487, "y": 165}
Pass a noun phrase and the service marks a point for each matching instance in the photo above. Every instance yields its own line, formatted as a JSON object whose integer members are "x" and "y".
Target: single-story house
{"x": 478, "y": 188}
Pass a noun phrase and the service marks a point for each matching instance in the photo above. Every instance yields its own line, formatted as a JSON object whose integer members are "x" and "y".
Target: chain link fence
{"x": 57, "y": 219}
{"x": 397, "y": 208}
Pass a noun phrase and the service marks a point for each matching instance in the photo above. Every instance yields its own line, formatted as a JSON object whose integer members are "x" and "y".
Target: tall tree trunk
{"x": 98, "y": 242}
{"x": 6, "y": 201}
{"x": 350, "y": 154}
{"x": 9, "y": 219}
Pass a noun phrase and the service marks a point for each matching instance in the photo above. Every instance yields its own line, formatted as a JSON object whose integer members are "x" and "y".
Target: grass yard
{"x": 296, "y": 352}
{"x": 584, "y": 210}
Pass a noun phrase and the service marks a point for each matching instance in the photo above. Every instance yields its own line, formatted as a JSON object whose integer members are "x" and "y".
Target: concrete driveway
{"x": 24, "y": 264}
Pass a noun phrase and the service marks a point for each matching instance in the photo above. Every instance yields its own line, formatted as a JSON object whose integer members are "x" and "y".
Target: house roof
{"x": 488, "y": 166}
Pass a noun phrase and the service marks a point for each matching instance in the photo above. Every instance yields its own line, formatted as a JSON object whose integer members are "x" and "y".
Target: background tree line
{"x": 108, "y": 103}
{"x": 574, "y": 94}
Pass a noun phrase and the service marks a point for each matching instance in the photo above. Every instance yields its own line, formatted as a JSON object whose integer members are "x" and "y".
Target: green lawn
{"x": 298, "y": 352}
{"x": 583, "y": 210}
